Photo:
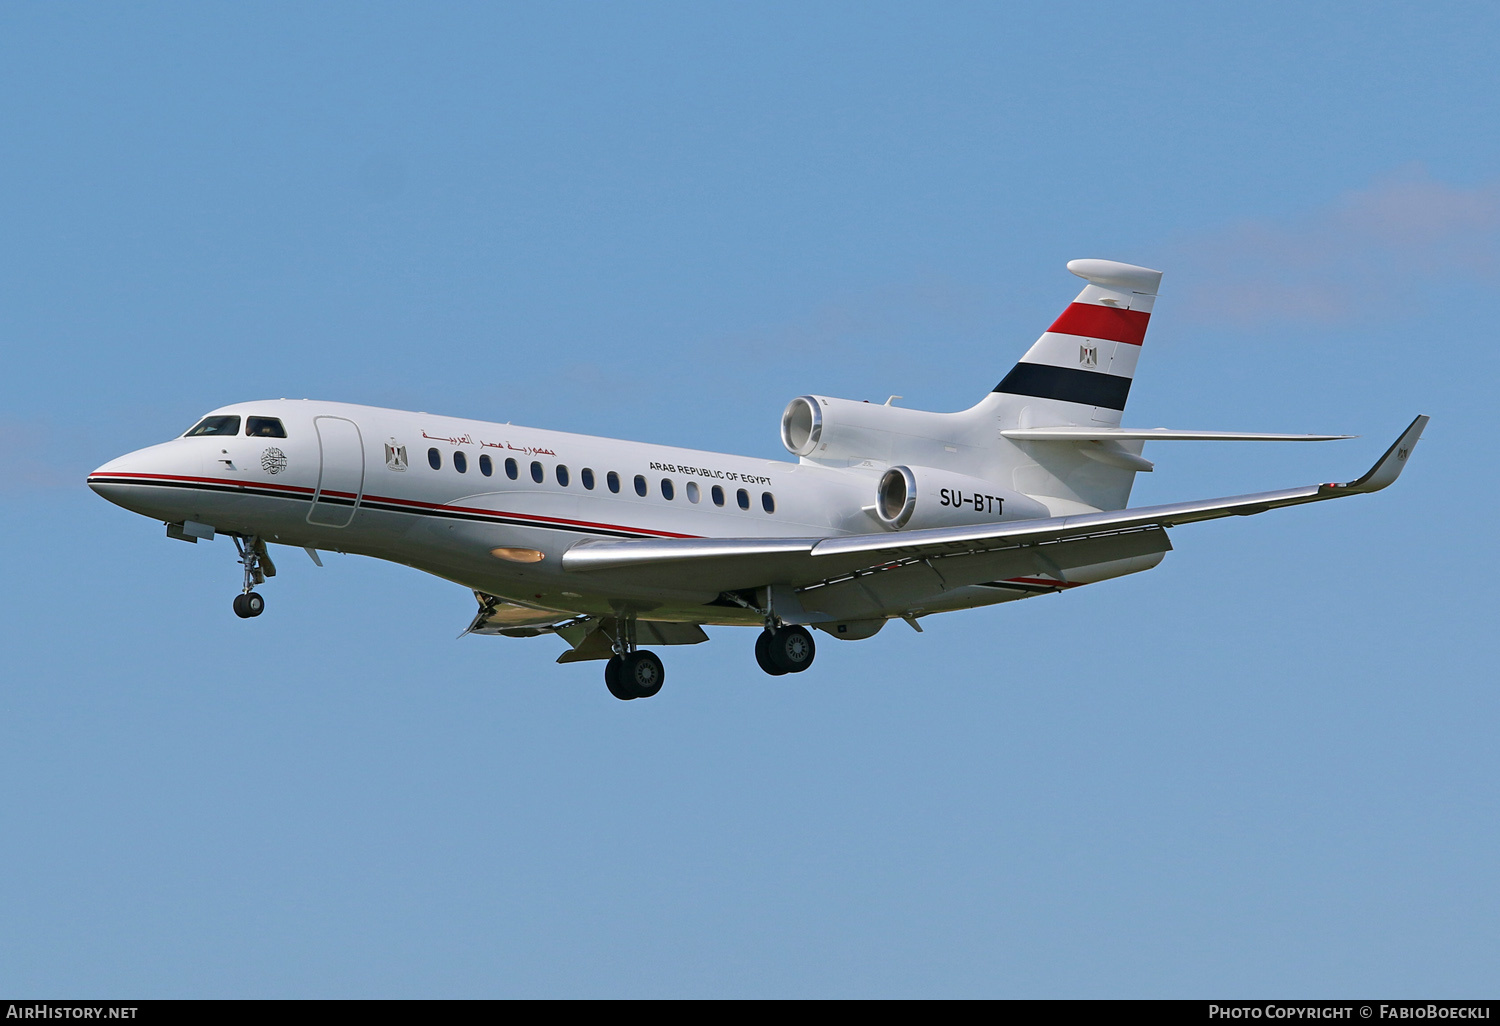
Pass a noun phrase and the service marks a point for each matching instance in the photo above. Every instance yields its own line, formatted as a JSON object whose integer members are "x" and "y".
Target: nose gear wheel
{"x": 249, "y": 604}
{"x": 258, "y": 566}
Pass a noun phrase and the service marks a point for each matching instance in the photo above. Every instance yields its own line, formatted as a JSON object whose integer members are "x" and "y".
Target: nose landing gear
{"x": 258, "y": 566}
{"x": 249, "y": 604}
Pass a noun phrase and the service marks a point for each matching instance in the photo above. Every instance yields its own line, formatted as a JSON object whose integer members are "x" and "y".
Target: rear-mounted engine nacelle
{"x": 919, "y": 497}
{"x": 816, "y": 427}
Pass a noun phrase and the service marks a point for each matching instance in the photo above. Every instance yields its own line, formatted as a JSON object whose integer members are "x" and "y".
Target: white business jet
{"x": 889, "y": 513}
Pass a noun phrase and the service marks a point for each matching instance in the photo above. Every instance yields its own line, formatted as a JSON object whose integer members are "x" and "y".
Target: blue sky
{"x": 1265, "y": 768}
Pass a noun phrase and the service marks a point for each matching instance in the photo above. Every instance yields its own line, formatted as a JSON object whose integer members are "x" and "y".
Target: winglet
{"x": 1388, "y": 467}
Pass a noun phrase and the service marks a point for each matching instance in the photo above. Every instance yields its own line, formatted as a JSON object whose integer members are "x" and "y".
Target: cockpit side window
{"x": 264, "y": 427}
{"x": 215, "y": 426}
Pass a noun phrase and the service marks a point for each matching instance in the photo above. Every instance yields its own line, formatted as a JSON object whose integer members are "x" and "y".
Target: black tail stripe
{"x": 1090, "y": 388}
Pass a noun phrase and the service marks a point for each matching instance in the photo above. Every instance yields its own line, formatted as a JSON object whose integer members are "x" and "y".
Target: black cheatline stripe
{"x": 270, "y": 493}
{"x": 384, "y": 507}
{"x": 1089, "y": 388}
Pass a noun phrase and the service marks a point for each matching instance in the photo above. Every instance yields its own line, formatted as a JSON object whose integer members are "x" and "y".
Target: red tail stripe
{"x": 1102, "y": 322}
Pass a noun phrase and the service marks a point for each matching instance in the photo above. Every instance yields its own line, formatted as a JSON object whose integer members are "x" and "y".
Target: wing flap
{"x": 497, "y": 616}
{"x": 606, "y": 555}
{"x": 1095, "y": 434}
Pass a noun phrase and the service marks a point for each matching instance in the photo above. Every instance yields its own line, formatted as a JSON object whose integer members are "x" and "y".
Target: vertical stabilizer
{"x": 1081, "y": 369}
{"x": 1079, "y": 373}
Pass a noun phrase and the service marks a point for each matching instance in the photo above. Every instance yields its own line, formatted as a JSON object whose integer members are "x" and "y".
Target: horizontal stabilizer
{"x": 1096, "y": 434}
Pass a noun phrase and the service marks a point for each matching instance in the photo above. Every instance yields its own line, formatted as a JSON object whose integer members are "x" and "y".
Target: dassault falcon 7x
{"x": 888, "y": 513}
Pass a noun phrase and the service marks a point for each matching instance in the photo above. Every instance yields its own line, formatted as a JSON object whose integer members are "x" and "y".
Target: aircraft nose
{"x": 128, "y": 480}
{"x": 110, "y": 481}
{"x": 118, "y": 465}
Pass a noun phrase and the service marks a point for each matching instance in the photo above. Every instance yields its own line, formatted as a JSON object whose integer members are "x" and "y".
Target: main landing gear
{"x": 636, "y": 673}
{"x": 258, "y": 566}
{"x": 786, "y": 649}
{"x": 632, "y": 672}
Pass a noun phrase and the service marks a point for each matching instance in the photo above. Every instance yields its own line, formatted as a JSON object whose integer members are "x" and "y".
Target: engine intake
{"x": 920, "y": 497}
{"x": 802, "y": 426}
{"x": 842, "y": 431}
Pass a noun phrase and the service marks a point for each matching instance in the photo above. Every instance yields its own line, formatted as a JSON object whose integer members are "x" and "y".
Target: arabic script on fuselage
{"x": 466, "y": 439}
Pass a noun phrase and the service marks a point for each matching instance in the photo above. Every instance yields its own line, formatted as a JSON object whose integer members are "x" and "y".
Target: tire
{"x": 763, "y": 654}
{"x": 239, "y": 608}
{"x": 642, "y": 673}
{"x": 791, "y": 649}
{"x": 254, "y": 604}
{"x": 613, "y": 680}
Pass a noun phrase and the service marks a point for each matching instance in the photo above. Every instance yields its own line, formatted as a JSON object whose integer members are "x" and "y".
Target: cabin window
{"x": 768, "y": 502}
{"x": 537, "y": 473}
{"x": 486, "y": 465}
{"x": 562, "y": 475}
{"x": 512, "y": 469}
{"x": 215, "y": 426}
{"x": 640, "y": 486}
{"x": 718, "y": 495}
{"x": 587, "y": 477}
{"x": 613, "y": 481}
{"x": 264, "y": 427}
{"x": 667, "y": 491}
{"x": 460, "y": 463}
{"x": 693, "y": 493}
{"x": 434, "y": 459}
{"x": 743, "y": 498}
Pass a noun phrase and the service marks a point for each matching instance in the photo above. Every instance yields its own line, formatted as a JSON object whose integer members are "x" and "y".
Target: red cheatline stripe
{"x": 416, "y": 504}
{"x": 1104, "y": 322}
{"x": 1045, "y": 582}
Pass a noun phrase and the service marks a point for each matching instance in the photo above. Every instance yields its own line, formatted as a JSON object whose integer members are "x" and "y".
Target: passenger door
{"x": 341, "y": 472}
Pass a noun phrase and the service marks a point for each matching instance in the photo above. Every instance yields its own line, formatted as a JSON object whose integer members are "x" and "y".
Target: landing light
{"x": 519, "y": 555}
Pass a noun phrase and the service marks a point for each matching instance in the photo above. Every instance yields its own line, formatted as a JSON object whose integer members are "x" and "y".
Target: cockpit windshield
{"x": 215, "y": 426}
{"x": 264, "y": 427}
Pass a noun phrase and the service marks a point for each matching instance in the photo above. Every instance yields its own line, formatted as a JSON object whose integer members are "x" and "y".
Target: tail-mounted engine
{"x": 842, "y": 431}
{"x": 919, "y": 497}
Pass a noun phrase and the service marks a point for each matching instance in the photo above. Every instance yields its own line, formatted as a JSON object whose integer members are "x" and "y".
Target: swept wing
{"x": 729, "y": 564}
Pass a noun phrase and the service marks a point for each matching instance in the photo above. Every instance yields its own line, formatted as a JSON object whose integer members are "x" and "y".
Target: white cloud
{"x": 1367, "y": 253}
{"x": 25, "y": 466}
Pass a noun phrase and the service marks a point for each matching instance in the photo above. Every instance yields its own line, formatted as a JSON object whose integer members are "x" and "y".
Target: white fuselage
{"x": 362, "y": 479}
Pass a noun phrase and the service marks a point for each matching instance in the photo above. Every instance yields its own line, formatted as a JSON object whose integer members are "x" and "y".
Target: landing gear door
{"x": 341, "y": 473}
